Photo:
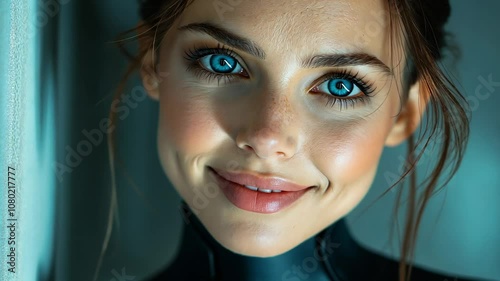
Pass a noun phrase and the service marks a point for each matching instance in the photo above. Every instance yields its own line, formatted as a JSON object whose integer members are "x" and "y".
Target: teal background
{"x": 56, "y": 83}
{"x": 27, "y": 138}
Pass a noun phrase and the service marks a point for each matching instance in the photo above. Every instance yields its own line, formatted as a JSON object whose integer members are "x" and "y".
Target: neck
{"x": 202, "y": 255}
{"x": 331, "y": 255}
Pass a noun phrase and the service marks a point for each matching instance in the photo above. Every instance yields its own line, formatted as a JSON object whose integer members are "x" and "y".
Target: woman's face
{"x": 310, "y": 96}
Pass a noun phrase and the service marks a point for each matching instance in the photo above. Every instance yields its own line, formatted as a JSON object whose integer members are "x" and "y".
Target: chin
{"x": 248, "y": 243}
{"x": 256, "y": 249}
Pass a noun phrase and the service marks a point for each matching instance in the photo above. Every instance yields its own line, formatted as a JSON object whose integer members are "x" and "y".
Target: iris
{"x": 222, "y": 63}
{"x": 340, "y": 87}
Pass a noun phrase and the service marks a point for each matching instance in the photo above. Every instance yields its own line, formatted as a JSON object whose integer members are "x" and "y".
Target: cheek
{"x": 186, "y": 124}
{"x": 349, "y": 154}
{"x": 186, "y": 121}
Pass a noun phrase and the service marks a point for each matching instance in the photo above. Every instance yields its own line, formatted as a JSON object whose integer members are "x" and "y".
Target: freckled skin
{"x": 271, "y": 123}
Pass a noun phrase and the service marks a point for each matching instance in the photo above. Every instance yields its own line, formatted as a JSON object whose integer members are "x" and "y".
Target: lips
{"x": 233, "y": 187}
{"x": 272, "y": 183}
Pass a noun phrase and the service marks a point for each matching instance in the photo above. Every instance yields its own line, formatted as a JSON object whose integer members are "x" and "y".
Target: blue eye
{"x": 221, "y": 64}
{"x": 215, "y": 63}
{"x": 339, "y": 87}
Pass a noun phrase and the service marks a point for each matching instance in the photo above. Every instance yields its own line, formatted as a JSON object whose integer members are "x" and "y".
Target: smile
{"x": 261, "y": 189}
{"x": 259, "y": 199}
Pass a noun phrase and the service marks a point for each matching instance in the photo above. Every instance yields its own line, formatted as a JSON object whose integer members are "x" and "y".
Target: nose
{"x": 270, "y": 130}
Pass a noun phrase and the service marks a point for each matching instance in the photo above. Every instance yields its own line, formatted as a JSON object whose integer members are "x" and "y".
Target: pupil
{"x": 222, "y": 64}
{"x": 341, "y": 87}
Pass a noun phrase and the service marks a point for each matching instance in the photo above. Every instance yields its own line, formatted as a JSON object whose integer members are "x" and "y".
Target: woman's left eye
{"x": 339, "y": 87}
{"x": 342, "y": 88}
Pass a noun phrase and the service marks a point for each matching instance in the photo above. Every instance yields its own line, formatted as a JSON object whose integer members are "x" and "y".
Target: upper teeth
{"x": 262, "y": 189}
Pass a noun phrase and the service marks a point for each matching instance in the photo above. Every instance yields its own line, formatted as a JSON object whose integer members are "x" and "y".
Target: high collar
{"x": 201, "y": 257}
{"x": 331, "y": 255}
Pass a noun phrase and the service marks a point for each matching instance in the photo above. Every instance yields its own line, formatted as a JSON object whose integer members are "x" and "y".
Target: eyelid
{"x": 365, "y": 87}
{"x": 194, "y": 55}
{"x": 221, "y": 49}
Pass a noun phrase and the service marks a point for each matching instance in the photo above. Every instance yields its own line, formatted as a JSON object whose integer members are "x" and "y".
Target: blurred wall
{"x": 27, "y": 142}
{"x": 460, "y": 230}
{"x": 90, "y": 69}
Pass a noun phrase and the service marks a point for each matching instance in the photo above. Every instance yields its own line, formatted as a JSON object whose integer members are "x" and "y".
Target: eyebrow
{"x": 322, "y": 60}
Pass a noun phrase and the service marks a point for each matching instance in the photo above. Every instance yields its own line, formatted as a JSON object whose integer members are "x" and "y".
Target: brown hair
{"x": 419, "y": 26}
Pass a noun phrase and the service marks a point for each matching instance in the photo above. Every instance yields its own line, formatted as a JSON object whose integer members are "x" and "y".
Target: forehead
{"x": 301, "y": 27}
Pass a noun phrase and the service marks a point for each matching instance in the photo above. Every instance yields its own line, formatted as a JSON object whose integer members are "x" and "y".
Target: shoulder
{"x": 351, "y": 261}
{"x": 378, "y": 267}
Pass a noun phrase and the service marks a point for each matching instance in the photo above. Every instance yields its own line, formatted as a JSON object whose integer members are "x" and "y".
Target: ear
{"x": 409, "y": 117}
{"x": 147, "y": 65}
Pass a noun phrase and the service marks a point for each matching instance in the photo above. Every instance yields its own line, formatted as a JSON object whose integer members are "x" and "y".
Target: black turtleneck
{"x": 332, "y": 255}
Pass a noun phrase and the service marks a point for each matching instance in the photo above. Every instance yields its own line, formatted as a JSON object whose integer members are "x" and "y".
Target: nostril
{"x": 247, "y": 147}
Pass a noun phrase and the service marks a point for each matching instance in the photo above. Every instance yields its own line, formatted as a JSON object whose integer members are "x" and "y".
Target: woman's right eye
{"x": 222, "y": 64}
{"x": 215, "y": 63}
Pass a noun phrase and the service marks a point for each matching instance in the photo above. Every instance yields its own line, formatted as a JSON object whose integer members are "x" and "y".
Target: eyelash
{"x": 194, "y": 55}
